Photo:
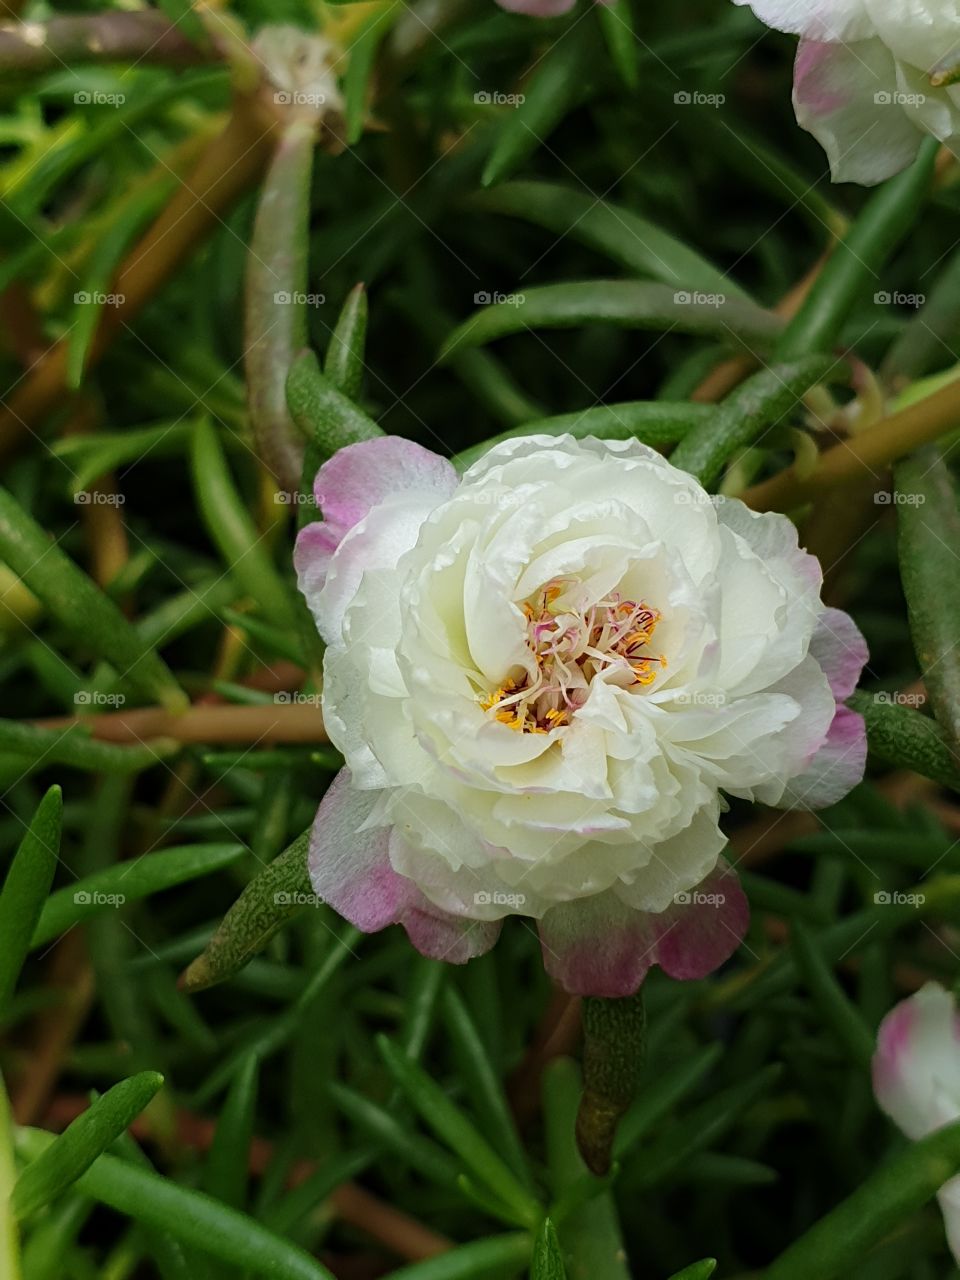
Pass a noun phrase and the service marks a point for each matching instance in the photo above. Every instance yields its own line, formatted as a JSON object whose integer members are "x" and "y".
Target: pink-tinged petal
{"x": 916, "y": 1066}
{"x": 835, "y": 769}
{"x": 455, "y": 939}
{"x": 840, "y": 650}
{"x": 361, "y": 476}
{"x": 312, "y": 553}
{"x": 350, "y": 867}
{"x": 846, "y": 95}
{"x": 387, "y": 487}
{"x": 601, "y": 947}
{"x": 816, "y": 19}
{"x": 538, "y": 8}
{"x": 704, "y": 930}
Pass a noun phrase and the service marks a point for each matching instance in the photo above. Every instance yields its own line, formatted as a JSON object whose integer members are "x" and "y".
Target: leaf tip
{"x": 197, "y": 976}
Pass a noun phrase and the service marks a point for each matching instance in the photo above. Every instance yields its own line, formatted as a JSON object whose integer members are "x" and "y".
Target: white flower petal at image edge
{"x": 542, "y": 676}
{"x": 867, "y": 80}
{"x": 916, "y": 1078}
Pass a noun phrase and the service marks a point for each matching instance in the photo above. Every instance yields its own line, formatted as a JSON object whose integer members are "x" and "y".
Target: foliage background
{"x": 756, "y": 1115}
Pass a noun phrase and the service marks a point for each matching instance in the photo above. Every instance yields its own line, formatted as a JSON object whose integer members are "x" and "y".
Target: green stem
{"x": 9, "y": 1238}
{"x": 613, "y": 1039}
{"x": 885, "y": 220}
{"x": 928, "y": 539}
{"x": 276, "y": 299}
{"x": 590, "y": 1234}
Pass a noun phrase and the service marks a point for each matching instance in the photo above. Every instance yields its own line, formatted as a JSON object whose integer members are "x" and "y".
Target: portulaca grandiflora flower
{"x": 916, "y": 1078}
{"x": 872, "y": 77}
{"x": 542, "y": 676}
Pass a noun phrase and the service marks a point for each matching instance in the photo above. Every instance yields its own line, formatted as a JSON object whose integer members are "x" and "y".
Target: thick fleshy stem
{"x": 276, "y": 315}
{"x": 613, "y": 1051}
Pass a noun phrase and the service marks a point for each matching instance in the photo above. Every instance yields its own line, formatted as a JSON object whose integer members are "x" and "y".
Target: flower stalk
{"x": 613, "y": 1049}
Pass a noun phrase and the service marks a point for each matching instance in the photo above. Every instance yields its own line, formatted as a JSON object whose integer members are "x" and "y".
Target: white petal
{"x": 916, "y": 1067}
{"x": 816, "y": 19}
{"x": 846, "y": 96}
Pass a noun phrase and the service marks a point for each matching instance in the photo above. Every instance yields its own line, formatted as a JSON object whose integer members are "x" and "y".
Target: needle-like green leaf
{"x": 928, "y": 528}
{"x": 190, "y": 1216}
{"x": 322, "y": 412}
{"x": 70, "y": 1155}
{"x": 271, "y": 898}
{"x": 623, "y": 304}
{"x": 637, "y": 244}
{"x": 837, "y": 1243}
{"x": 450, "y": 1124}
{"x": 25, "y": 889}
{"x": 655, "y": 422}
{"x": 79, "y": 605}
{"x": 128, "y": 881}
{"x": 763, "y": 401}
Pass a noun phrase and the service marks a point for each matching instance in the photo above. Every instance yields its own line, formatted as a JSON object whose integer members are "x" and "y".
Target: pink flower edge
{"x": 595, "y": 946}
{"x": 916, "y": 1078}
{"x": 841, "y": 759}
{"x": 349, "y": 485}
{"x": 350, "y": 869}
{"x": 601, "y": 947}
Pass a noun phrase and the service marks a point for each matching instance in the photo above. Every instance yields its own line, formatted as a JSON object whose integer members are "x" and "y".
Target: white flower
{"x": 542, "y": 677}
{"x": 916, "y": 1078}
{"x": 872, "y": 77}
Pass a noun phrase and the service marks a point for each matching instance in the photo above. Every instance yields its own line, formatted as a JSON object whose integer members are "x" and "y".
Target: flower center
{"x": 570, "y": 647}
